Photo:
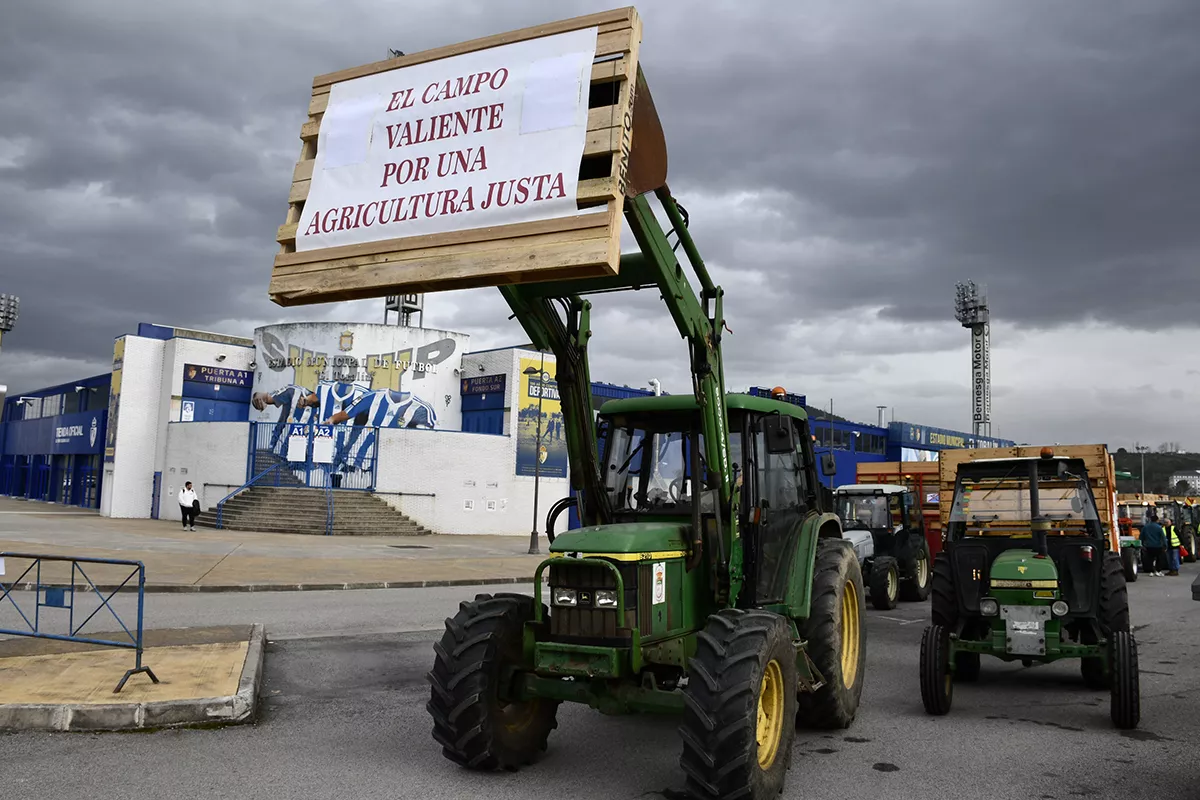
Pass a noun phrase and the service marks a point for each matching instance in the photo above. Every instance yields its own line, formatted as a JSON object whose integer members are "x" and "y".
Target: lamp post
{"x": 537, "y": 452}
{"x": 1141, "y": 448}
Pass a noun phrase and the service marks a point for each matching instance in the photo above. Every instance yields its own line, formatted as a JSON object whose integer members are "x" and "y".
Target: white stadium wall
{"x": 148, "y": 400}
{"x": 471, "y": 477}
{"x": 212, "y": 455}
{"x": 129, "y": 477}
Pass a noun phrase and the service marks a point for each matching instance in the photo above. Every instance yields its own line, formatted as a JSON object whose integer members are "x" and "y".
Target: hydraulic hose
{"x": 556, "y": 509}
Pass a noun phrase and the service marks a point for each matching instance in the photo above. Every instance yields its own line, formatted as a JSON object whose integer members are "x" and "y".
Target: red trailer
{"x": 919, "y": 476}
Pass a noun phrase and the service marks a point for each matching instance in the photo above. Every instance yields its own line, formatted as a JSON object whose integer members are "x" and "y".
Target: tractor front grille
{"x": 584, "y": 623}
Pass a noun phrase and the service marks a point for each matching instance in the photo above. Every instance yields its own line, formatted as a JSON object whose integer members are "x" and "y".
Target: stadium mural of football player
{"x": 385, "y": 408}
{"x": 423, "y": 361}
{"x": 311, "y": 372}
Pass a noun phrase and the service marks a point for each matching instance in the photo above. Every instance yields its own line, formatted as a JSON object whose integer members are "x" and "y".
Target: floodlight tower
{"x": 9, "y": 304}
{"x": 971, "y": 309}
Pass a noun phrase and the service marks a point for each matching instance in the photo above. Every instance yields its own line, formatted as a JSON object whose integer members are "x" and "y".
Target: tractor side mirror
{"x": 1076, "y": 505}
{"x": 828, "y": 465}
{"x": 777, "y": 430}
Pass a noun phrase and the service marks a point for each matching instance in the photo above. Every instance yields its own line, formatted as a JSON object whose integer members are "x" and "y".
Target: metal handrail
{"x": 239, "y": 490}
{"x": 328, "y": 503}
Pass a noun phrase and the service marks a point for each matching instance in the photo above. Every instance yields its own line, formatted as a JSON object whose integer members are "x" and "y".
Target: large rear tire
{"x": 1092, "y": 670}
{"x": 739, "y": 702}
{"x": 885, "y": 583}
{"x": 1126, "y": 710}
{"x": 918, "y": 575}
{"x": 473, "y": 721}
{"x": 937, "y": 688}
{"x": 966, "y": 667}
{"x": 944, "y": 608}
{"x": 836, "y": 636}
{"x": 1130, "y": 563}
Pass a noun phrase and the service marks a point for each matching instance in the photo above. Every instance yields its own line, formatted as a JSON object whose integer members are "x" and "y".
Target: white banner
{"x": 492, "y": 137}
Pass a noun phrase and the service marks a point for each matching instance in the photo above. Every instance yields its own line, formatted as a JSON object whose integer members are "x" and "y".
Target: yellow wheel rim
{"x": 770, "y": 714}
{"x": 893, "y": 585}
{"x": 922, "y": 571}
{"x": 850, "y": 634}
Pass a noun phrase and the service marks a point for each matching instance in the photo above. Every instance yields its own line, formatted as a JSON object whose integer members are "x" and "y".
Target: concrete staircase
{"x": 296, "y": 509}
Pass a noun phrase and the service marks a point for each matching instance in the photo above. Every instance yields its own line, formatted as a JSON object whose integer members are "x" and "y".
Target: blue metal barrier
{"x": 51, "y": 596}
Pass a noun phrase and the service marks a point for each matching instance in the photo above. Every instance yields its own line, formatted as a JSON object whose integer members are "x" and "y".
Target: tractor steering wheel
{"x": 675, "y": 490}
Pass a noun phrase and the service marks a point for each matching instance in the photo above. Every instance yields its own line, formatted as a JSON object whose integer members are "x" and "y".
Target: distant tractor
{"x": 886, "y": 527}
{"x": 1029, "y": 574}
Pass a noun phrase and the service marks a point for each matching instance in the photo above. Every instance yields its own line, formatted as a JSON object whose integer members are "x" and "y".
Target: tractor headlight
{"x": 565, "y": 597}
{"x": 1059, "y": 609}
{"x": 606, "y": 598}
{"x": 989, "y": 607}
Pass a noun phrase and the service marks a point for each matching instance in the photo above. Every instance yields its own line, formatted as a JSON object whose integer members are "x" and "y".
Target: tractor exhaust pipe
{"x": 1037, "y": 524}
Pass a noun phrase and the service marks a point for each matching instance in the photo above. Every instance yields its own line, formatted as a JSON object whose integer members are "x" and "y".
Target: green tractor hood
{"x": 1023, "y": 566}
{"x": 659, "y": 538}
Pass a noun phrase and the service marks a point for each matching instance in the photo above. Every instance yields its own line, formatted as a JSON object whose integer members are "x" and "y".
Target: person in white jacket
{"x": 189, "y": 506}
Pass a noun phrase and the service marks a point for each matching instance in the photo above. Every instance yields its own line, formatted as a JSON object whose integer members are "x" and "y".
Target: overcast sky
{"x": 844, "y": 164}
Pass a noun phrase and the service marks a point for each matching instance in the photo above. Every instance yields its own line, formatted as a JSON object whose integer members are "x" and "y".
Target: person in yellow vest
{"x": 1172, "y": 538}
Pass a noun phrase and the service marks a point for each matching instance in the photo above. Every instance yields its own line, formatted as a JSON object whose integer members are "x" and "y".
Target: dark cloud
{"x": 844, "y": 163}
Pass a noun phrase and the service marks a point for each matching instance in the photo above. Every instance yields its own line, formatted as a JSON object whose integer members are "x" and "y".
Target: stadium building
{"x": 333, "y": 428}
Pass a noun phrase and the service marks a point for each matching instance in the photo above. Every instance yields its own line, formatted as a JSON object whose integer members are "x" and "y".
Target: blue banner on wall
{"x": 223, "y": 376}
{"x": 928, "y": 438}
{"x": 484, "y": 384}
{"x": 81, "y": 432}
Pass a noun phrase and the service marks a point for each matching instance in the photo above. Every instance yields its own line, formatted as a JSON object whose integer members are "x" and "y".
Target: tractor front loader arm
{"x": 556, "y": 318}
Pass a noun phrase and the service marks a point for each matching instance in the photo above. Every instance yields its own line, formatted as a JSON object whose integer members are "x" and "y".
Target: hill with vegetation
{"x": 1159, "y": 467}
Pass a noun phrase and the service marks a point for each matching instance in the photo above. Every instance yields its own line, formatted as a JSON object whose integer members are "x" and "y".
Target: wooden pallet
{"x": 587, "y": 245}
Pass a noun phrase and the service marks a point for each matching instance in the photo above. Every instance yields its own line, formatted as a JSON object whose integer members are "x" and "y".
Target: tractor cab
{"x": 883, "y": 511}
{"x": 1027, "y": 575}
{"x": 665, "y": 504}
{"x": 887, "y": 529}
{"x": 1132, "y": 515}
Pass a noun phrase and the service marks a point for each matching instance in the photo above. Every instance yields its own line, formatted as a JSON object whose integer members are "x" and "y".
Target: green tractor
{"x": 709, "y": 579}
{"x": 1027, "y": 575}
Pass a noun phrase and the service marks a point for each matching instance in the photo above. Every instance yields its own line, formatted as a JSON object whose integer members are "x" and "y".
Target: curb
{"x": 235, "y": 709}
{"x": 167, "y": 588}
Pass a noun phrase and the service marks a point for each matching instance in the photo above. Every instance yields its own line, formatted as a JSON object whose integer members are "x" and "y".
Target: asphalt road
{"x": 344, "y": 717}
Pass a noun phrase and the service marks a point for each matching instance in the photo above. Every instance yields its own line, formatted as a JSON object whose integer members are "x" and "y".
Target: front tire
{"x": 739, "y": 701}
{"x": 1112, "y": 615}
{"x": 917, "y": 577}
{"x": 1126, "y": 709}
{"x": 885, "y": 583}
{"x": 1129, "y": 563}
{"x": 1190, "y": 544}
{"x": 836, "y": 636}
{"x": 937, "y": 687}
{"x": 473, "y": 721}
{"x": 1113, "y": 611}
